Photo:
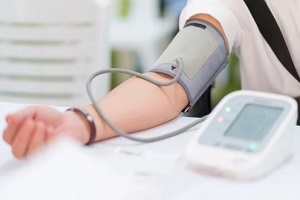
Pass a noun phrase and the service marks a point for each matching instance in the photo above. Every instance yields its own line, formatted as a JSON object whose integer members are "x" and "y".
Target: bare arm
{"x": 133, "y": 106}
{"x": 137, "y": 104}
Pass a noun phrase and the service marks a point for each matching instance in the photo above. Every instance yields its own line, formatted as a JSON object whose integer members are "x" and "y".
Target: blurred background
{"x": 49, "y": 48}
{"x": 163, "y": 22}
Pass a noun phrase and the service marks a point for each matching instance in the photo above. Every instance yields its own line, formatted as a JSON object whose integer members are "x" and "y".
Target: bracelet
{"x": 90, "y": 121}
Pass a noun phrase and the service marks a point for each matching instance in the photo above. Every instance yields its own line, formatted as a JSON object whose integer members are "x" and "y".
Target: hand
{"x": 34, "y": 126}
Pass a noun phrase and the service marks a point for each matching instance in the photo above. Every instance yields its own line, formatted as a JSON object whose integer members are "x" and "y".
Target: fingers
{"x": 14, "y": 121}
{"x": 13, "y": 124}
{"x": 30, "y": 137}
{"x": 22, "y": 138}
{"x": 25, "y": 132}
{"x": 38, "y": 138}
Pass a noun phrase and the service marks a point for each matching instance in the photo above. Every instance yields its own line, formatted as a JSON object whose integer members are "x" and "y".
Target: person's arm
{"x": 138, "y": 105}
{"x": 133, "y": 106}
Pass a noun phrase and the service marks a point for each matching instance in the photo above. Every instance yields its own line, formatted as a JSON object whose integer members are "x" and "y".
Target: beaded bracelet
{"x": 90, "y": 121}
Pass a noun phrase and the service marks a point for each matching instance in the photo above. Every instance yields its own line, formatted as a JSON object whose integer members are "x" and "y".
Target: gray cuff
{"x": 204, "y": 53}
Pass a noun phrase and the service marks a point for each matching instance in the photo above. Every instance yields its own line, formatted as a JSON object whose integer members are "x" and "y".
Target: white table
{"x": 156, "y": 169}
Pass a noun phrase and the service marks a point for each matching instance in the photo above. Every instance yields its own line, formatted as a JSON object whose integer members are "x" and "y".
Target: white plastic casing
{"x": 238, "y": 164}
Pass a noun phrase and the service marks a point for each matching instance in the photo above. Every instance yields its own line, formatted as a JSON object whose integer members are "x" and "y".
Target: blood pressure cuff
{"x": 203, "y": 51}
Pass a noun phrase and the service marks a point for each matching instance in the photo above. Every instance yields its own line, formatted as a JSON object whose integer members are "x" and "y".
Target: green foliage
{"x": 233, "y": 83}
{"x": 124, "y": 8}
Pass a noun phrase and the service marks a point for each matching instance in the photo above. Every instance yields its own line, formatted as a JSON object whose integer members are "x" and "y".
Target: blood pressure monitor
{"x": 247, "y": 135}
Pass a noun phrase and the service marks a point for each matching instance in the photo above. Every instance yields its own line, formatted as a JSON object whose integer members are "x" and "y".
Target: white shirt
{"x": 260, "y": 68}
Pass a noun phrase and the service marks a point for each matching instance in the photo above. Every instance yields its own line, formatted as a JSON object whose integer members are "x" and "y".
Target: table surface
{"x": 158, "y": 169}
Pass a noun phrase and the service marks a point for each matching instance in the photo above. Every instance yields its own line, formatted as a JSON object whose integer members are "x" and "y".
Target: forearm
{"x": 138, "y": 105}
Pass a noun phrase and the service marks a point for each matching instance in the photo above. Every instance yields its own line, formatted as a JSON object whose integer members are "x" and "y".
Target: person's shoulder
{"x": 235, "y": 6}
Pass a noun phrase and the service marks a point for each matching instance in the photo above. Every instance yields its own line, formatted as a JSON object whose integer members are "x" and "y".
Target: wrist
{"x": 88, "y": 125}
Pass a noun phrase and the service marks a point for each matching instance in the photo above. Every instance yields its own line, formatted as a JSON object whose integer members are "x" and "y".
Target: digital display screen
{"x": 254, "y": 122}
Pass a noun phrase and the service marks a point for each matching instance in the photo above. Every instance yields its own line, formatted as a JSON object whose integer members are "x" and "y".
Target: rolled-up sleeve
{"x": 218, "y": 10}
